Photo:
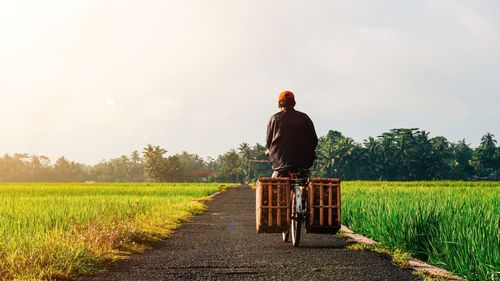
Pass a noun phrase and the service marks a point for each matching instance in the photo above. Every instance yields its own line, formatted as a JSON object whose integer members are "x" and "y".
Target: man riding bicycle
{"x": 292, "y": 198}
{"x": 291, "y": 139}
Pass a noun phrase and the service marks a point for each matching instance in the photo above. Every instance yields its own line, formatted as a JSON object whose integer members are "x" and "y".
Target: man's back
{"x": 291, "y": 140}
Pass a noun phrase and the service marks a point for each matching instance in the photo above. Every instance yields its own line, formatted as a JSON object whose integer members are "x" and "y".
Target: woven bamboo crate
{"x": 324, "y": 205}
{"x": 272, "y": 206}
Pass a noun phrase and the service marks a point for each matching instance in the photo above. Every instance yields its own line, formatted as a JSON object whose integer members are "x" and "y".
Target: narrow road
{"x": 221, "y": 244}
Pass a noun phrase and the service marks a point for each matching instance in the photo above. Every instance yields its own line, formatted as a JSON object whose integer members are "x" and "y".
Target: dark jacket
{"x": 291, "y": 140}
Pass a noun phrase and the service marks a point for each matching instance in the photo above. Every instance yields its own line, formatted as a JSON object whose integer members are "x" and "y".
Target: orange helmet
{"x": 286, "y": 95}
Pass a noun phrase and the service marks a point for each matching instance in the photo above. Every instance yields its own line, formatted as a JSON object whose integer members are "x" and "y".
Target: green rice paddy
{"x": 52, "y": 231}
{"x": 453, "y": 225}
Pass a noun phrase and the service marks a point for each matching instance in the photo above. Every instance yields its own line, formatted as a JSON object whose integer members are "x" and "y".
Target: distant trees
{"x": 400, "y": 154}
{"x": 405, "y": 154}
{"x": 67, "y": 171}
{"x": 153, "y": 166}
{"x": 22, "y": 167}
{"x": 485, "y": 158}
{"x": 228, "y": 168}
{"x": 154, "y": 162}
{"x": 178, "y": 167}
{"x": 242, "y": 165}
{"x": 336, "y": 154}
{"x": 257, "y": 169}
{"x": 122, "y": 169}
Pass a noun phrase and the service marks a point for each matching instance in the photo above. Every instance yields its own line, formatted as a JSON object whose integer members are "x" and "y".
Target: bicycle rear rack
{"x": 273, "y": 205}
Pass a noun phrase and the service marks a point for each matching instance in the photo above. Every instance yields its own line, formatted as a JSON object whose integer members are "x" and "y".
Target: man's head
{"x": 286, "y": 100}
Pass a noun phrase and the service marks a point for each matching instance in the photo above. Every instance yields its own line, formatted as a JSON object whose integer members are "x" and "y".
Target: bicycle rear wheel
{"x": 296, "y": 224}
{"x": 285, "y": 235}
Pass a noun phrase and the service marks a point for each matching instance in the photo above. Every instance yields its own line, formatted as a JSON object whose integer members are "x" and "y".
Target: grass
{"x": 54, "y": 231}
{"x": 452, "y": 225}
{"x": 399, "y": 257}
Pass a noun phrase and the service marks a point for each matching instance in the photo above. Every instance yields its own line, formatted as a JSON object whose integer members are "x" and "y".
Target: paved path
{"x": 221, "y": 244}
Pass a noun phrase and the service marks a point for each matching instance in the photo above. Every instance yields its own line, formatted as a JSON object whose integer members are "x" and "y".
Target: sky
{"x": 93, "y": 80}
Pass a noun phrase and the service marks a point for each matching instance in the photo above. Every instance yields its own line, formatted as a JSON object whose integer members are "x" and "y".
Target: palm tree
{"x": 387, "y": 156}
{"x": 461, "y": 158}
{"x": 154, "y": 162}
{"x": 485, "y": 156}
{"x": 441, "y": 157}
{"x": 244, "y": 151}
{"x": 335, "y": 155}
{"x": 228, "y": 167}
{"x": 488, "y": 141}
{"x": 135, "y": 157}
{"x": 373, "y": 165}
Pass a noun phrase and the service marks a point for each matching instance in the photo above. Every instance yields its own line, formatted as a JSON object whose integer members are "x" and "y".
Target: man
{"x": 291, "y": 138}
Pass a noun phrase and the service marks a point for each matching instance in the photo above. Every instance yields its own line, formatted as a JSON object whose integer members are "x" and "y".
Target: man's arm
{"x": 312, "y": 131}
{"x": 269, "y": 137}
{"x": 270, "y": 130}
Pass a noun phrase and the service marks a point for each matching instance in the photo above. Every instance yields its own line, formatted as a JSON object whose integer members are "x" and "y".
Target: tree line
{"x": 150, "y": 165}
{"x": 400, "y": 154}
{"x": 406, "y": 154}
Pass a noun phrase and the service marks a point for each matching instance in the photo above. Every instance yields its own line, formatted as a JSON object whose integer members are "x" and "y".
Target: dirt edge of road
{"x": 415, "y": 264}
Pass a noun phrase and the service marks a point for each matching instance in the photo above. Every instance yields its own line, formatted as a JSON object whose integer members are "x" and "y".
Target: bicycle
{"x": 299, "y": 209}
{"x": 292, "y": 198}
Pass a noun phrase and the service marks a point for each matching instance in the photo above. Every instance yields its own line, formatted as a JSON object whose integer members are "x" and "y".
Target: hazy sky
{"x": 93, "y": 80}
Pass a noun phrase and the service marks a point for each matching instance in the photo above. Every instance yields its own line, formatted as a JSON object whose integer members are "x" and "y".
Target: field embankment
{"x": 453, "y": 225}
{"x": 57, "y": 230}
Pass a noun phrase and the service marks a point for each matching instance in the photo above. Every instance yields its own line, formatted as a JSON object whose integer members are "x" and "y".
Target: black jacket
{"x": 291, "y": 140}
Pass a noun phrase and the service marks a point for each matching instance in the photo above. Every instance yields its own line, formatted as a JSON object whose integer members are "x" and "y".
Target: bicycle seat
{"x": 298, "y": 179}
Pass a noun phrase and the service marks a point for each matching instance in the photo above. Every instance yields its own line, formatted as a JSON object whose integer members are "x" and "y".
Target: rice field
{"x": 453, "y": 225}
{"x": 58, "y": 230}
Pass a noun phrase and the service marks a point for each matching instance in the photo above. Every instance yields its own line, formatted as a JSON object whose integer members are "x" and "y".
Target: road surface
{"x": 221, "y": 244}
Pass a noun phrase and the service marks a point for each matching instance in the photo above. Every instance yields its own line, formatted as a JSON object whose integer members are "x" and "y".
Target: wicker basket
{"x": 324, "y": 205}
{"x": 272, "y": 205}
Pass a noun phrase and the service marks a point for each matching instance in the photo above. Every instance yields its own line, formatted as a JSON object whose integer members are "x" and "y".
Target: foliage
{"x": 240, "y": 165}
{"x": 122, "y": 169}
{"x": 405, "y": 154}
{"x": 228, "y": 167}
{"x": 486, "y": 157}
{"x": 400, "y": 154}
{"x": 154, "y": 162}
{"x": 154, "y": 167}
{"x": 22, "y": 167}
{"x": 454, "y": 225}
